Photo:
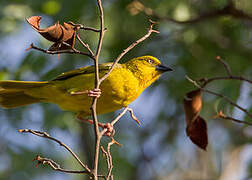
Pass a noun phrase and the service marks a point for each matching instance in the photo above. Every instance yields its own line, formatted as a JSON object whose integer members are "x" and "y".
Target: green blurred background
{"x": 159, "y": 148}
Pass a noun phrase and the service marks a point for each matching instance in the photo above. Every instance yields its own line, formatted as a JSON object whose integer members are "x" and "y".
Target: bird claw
{"x": 90, "y": 93}
{"x": 110, "y": 129}
{"x": 94, "y": 93}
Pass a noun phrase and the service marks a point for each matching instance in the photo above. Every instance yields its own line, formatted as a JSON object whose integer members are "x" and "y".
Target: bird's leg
{"x": 110, "y": 129}
{"x": 91, "y": 93}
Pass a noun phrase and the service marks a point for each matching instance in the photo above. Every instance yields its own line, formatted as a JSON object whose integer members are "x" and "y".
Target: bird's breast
{"x": 119, "y": 89}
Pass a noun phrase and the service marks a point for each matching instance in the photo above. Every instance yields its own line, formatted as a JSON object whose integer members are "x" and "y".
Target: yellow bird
{"x": 71, "y": 90}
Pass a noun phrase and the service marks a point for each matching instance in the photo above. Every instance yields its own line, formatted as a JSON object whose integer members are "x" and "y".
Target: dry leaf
{"x": 57, "y": 33}
{"x": 34, "y": 21}
{"x": 197, "y": 131}
{"x": 192, "y": 105}
{"x": 196, "y": 126}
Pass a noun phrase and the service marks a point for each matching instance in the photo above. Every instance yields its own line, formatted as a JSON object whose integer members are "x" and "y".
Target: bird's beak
{"x": 163, "y": 68}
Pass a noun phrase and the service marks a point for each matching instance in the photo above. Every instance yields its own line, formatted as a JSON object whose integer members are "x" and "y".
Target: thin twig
{"x": 47, "y": 136}
{"x": 226, "y": 66}
{"x": 55, "y": 166}
{"x": 119, "y": 116}
{"x": 89, "y": 29}
{"x": 102, "y": 30}
{"x": 81, "y": 26}
{"x": 209, "y": 80}
{"x": 133, "y": 116}
{"x": 86, "y": 46}
{"x": 150, "y": 31}
{"x": 113, "y": 122}
{"x": 68, "y": 51}
{"x": 106, "y": 155}
{"x": 122, "y": 113}
{"x": 109, "y": 158}
{"x": 219, "y": 95}
{"x": 224, "y": 116}
{"x": 228, "y": 10}
{"x": 229, "y": 73}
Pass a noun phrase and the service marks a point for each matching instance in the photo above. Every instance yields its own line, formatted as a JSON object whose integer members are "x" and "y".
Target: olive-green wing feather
{"x": 83, "y": 70}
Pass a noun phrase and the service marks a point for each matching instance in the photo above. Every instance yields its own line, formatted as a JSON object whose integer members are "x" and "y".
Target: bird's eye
{"x": 150, "y": 61}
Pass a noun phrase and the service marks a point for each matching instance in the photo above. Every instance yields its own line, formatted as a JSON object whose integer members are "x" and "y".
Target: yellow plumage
{"x": 125, "y": 83}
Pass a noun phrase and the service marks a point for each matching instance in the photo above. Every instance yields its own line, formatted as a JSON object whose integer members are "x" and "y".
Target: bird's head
{"x": 147, "y": 69}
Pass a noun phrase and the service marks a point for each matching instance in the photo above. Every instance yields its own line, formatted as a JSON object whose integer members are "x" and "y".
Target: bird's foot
{"x": 94, "y": 93}
{"x": 91, "y": 93}
{"x": 110, "y": 129}
{"x": 108, "y": 126}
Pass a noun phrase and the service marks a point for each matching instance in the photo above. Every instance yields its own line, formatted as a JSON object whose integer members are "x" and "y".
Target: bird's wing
{"x": 83, "y": 70}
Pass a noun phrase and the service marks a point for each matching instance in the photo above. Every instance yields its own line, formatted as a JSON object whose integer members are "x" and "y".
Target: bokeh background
{"x": 159, "y": 148}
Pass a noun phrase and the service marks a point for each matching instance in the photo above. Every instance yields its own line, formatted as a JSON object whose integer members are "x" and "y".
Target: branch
{"x": 102, "y": 29}
{"x": 119, "y": 116}
{"x": 98, "y": 134}
{"x": 226, "y": 66}
{"x": 228, "y": 10}
{"x": 230, "y": 76}
{"x": 133, "y": 116}
{"x": 209, "y": 80}
{"x": 122, "y": 113}
{"x": 219, "y": 95}
{"x": 55, "y": 166}
{"x": 109, "y": 158}
{"x": 108, "y": 129}
{"x": 223, "y": 116}
{"x": 90, "y": 29}
{"x": 86, "y": 46}
{"x": 125, "y": 51}
{"x": 47, "y": 136}
{"x": 68, "y": 51}
{"x": 81, "y": 26}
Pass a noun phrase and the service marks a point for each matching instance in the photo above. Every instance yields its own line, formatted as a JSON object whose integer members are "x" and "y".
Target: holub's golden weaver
{"x": 71, "y": 90}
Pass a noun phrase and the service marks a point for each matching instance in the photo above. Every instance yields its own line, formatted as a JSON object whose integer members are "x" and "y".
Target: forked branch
{"x": 221, "y": 115}
{"x": 47, "y": 136}
{"x": 229, "y": 76}
{"x": 55, "y": 166}
{"x": 67, "y": 51}
{"x": 109, "y": 160}
{"x": 221, "y": 96}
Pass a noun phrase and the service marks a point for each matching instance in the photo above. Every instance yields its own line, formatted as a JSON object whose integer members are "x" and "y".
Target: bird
{"x": 72, "y": 90}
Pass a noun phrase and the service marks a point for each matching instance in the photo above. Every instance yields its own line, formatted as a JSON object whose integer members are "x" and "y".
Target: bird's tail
{"x": 13, "y": 93}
